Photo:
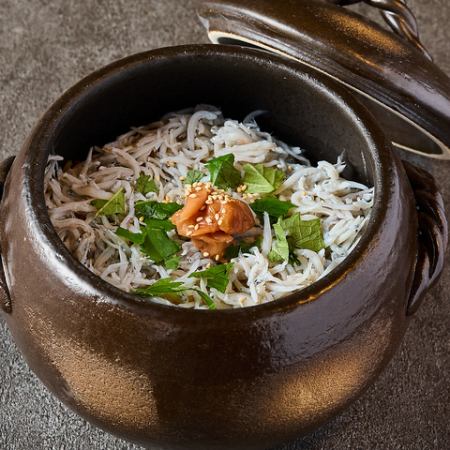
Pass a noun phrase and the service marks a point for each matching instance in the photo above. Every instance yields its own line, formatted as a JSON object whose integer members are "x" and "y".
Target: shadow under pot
{"x": 194, "y": 379}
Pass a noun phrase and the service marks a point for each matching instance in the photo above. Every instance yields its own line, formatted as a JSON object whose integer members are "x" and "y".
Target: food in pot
{"x": 200, "y": 211}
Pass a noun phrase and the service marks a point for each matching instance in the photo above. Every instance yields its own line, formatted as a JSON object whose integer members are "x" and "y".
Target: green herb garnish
{"x": 168, "y": 287}
{"x": 243, "y": 247}
{"x": 193, "y": 176}
{"x": 262, "y": 180}
{"x": 155, "y": 210}
{"x": 172, "y": 263}
{"x": 274, "y": 207}
{"x": 206, "y": 298}
{"x": 158, "y": 224}
{"x": 280, "y": 246}
{"x": 135, "y": 238}
{"x": 115, "y": 205}
{"x": 158, "y": 246}
{"x": 223, "y": 174}
{"x": 216, "y": 277}
{"x": 145, "y": 184}
{"x": 303, "y": 233}
{"x": 161, "y": 287}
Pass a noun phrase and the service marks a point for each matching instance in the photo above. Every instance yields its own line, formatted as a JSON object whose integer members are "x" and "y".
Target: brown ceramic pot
{"x": 235, "y": 379}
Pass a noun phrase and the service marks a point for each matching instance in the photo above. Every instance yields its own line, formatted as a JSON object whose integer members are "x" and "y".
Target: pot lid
{"x": 391, "y": 72}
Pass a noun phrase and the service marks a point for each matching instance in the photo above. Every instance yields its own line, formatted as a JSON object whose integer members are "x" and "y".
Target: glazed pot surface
{"x": 178, "y": 378}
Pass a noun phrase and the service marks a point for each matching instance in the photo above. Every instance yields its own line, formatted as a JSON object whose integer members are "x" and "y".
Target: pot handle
{"x": 5, "y": 298}
{"x": 433, "y": 233}
{"x": 398, "y": 16}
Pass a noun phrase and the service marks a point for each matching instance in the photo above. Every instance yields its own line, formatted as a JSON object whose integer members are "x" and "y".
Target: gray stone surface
{"x": 46, "y": 46}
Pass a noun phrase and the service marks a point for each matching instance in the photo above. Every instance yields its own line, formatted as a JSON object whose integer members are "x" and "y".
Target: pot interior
{"x": 141, "y": 89}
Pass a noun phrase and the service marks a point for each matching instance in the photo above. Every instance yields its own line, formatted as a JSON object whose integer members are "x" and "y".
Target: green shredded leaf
{"x": 172, "y": 263}
{"x": 223, "y": 174}
{"x": 206, "y": 298}
{"x": 243, "y": 247}
{"x": 155, "y": 210}
{"x": 193, "y": 176}
{"x": 303, "y": 233}
{"x": 166, "y": 287}
{"x": 158, "y": 246}
{"x": 262, "y": 180}
{"x": 145, "y": 184}
{"x": 135, "y": 238}
{"x": 158, "y": 224}
{"x": 161, "y": 287}
{"x": 274, "y": 207}
{"x": 280, "y": 246}
{"x": 115, "y": 205}
{"x": 99, "y": 204}
{"x": 216, "y": 277}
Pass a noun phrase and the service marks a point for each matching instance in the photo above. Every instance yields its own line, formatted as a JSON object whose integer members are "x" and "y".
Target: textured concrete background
{"x": 46, "y": 46}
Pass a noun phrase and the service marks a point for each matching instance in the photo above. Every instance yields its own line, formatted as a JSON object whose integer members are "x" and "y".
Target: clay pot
{"x": 235, "y": 379}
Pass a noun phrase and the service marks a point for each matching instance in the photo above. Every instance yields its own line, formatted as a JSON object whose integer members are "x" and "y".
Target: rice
{"x": 166, "y": 151}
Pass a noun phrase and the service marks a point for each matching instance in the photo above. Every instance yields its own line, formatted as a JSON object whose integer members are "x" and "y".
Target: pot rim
{"x": 37, "y": 150}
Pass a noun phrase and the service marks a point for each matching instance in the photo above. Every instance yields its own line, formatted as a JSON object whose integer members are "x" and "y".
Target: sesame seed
{"x": 205, "y": 254}
{"x": 196, "y": 227}
{"x": 217, "y": 258}
{"x": 193, "y": 196}
{"x": 198, "y": 188}
{"x": 199, "y": 219}
{"x": 217, "y": 217}
{"x": 208, "y": 220}
{"x": 191, "y": 226}
{"x": 189, "y": 233}
{"x": 220, "y": 222}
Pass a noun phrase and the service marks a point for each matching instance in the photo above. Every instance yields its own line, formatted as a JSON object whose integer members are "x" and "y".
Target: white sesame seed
{"x": 193, "y": 196}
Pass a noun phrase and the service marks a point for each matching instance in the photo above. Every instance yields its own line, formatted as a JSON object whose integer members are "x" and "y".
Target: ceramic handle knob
{"x": 5, "y": 299}
{"x": 433, "y": 233}
{"x": 398, "y": 16}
